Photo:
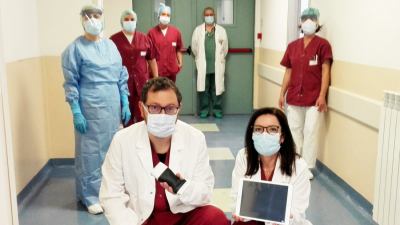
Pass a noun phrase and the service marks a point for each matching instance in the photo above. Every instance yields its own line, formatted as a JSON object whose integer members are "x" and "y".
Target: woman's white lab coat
{"x": 128, "y": 189}
{"x": 300, "y": 180}
{"x": 221, "y": 50}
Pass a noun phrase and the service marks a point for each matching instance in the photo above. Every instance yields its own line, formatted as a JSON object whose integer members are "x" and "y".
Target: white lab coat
{"x": 299, "y": 179}
{"x": 221, "y": 50}
{"x": 128, "y": 190}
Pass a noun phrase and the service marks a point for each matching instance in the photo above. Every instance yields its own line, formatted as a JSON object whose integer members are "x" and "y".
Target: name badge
{"x": 174, "y": 44}
{"x": 143, "y": 53}
{"x": 313, "y": 61}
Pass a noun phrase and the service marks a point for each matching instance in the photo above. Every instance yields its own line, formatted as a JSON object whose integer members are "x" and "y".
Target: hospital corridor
{"x": 199, "y": 112}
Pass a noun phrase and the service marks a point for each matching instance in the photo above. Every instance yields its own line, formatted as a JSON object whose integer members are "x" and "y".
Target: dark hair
{"x": 208, "y": 8}
{"x": 287, "y": 152}
{"x": 316, "y": 31}
{"x": 160, "y": 84}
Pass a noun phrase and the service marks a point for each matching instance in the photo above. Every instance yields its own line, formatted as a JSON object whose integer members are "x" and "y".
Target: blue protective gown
{"x": 95, "y": 78}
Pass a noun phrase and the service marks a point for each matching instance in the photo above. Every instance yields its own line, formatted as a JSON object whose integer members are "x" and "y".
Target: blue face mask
{"x": 266, "y": 144}
{"x": 93, "y": 26}
{"x": 209, "y": 19}
{"x": 129, "y": 26}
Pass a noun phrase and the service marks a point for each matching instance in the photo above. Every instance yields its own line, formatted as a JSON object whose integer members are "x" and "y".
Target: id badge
{"x": 313, "y": 61}
{"x": 143, "y": 53}
{"x": 174, "y": 44}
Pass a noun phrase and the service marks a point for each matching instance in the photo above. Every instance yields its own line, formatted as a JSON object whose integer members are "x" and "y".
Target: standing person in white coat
{"x": 210, "y": 47}
{"x": 129, "y": 193}
{"x": 270, "y": 154}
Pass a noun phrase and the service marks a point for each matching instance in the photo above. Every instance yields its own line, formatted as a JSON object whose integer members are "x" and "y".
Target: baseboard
{"x": 34, "y": 186}
{"x": 344, "y": 191}
{"x": 39, "y": 180}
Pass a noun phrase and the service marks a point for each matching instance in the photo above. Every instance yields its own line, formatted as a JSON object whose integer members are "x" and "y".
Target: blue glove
{"x": 125, "y": 113}
{"x": 80, "y": 123}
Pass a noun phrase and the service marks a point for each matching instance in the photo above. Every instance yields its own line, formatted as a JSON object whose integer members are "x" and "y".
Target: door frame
{"x": 8, "y": 206}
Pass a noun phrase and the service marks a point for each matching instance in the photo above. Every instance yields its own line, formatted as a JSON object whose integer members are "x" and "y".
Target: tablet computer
{"x": 264, "y": 201}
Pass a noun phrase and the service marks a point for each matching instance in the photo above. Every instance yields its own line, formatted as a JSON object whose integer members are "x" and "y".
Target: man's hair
{"x": 208, "y": 8}
{"x": 160, "y": 84}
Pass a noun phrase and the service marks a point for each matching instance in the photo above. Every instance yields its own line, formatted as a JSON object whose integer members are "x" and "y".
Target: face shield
{"x": 92, "y": 20}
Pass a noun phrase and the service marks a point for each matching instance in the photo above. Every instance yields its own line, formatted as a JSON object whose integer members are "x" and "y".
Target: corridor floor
{"x": 55, "y": 204}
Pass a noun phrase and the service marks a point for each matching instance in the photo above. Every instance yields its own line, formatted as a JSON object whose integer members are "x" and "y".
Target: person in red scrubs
{"x": 306, "y": 81}
{"x": 168, "y": 44}
{"x": 137, "y": 56}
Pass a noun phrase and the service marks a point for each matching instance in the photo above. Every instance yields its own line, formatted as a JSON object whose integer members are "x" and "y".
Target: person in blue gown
{"x": 97, "y": 92}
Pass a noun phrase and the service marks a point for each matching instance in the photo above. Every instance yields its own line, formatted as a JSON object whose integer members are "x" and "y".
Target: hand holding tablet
{"x": 264, "y": 201}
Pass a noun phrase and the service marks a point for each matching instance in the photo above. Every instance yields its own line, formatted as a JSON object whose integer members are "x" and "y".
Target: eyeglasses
{"x": 273, "y": 129}
{"x": 165, "y": 14}
{"x": 156, "y": 109}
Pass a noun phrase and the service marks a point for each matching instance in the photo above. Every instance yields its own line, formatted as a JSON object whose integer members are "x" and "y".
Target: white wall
{"x": 274, "y": 24}
{"x": 362, "y": 31}
{"x": 60, "y": 23}
{"x": 20, "y": 30}
{"x": 8, "y": 202}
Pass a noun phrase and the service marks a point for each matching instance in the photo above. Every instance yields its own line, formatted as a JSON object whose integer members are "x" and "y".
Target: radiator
{"x": 386, "y": 209}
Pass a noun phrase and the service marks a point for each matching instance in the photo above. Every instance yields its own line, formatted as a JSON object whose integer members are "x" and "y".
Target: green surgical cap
{"x": 312, "y": 13}
{"x": 90, "y": 9}
{"x": 126, "y": 13}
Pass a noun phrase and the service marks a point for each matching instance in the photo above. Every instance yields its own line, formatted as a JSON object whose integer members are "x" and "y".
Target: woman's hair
{"x": 316, "y": 31}
{"x": 287, "y": 152}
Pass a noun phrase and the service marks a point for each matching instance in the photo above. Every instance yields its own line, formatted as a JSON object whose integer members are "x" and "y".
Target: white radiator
{"x": 387, "y": 179}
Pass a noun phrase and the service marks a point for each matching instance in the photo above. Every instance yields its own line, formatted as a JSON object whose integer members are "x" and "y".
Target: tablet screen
{"x": 264, "y": 201}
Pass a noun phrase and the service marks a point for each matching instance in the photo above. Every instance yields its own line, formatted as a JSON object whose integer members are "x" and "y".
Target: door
{"x": 186, "y": 15}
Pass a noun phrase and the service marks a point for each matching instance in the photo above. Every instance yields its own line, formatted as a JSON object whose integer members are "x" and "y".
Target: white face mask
{"x": 165, "y": 20}
{"x": 209, "y": 19}
{"x": 129, "y": 26}
{"x": 160, "y": 125}
{"x": 93, "y": 26}
{"x": 266, "y": 144}
{"x": 309, "y": 27}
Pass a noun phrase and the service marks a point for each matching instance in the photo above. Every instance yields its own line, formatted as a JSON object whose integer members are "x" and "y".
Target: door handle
{"x": 187, "y": 50}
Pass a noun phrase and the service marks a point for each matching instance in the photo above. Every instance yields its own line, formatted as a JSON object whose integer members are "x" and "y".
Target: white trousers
{"x": 305, "y": 125}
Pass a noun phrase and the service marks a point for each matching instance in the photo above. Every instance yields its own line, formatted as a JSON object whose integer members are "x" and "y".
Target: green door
{"x": 186, "y": 15}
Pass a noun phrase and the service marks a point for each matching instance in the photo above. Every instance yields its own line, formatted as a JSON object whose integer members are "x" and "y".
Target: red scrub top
{"x": 161, "y": 213}
{"x": 134, "y": 58}
{"x": 306, "y": 64}
{"x": 166, "y": 48}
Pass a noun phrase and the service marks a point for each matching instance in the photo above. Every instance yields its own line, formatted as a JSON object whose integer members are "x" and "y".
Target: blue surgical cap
{"x": 311, "y": 13}
{"x": 126, "y": 13}
{"x": 90, "y": 9}
{"x": 164, "y": 8}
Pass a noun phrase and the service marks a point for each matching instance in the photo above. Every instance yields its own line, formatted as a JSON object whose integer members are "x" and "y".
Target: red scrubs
{"x": 162, "y": 215}
{"x": 134, "y": 58}
{"x": 166, "y": 48}
{"x": 306, "y": 64}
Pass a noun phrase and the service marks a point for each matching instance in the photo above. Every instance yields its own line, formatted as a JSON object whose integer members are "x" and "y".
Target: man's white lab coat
{"x": 128, "y": 189}
{"x": 221, "y": 50}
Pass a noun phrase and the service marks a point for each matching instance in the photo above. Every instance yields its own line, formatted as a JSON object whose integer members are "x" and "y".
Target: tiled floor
{"x": 56, "y": 204}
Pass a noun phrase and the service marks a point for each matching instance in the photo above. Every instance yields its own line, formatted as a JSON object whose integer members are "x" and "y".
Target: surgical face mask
{"x": 129, "y": 26}
{"x": 209, "y": 19}
{"x": 160, "y": 125}
{"x": 309, "y": 27}
{"x": 165, "y": 20}
{"x": 266, "y": 144}
{"x": 93, "y": 26}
